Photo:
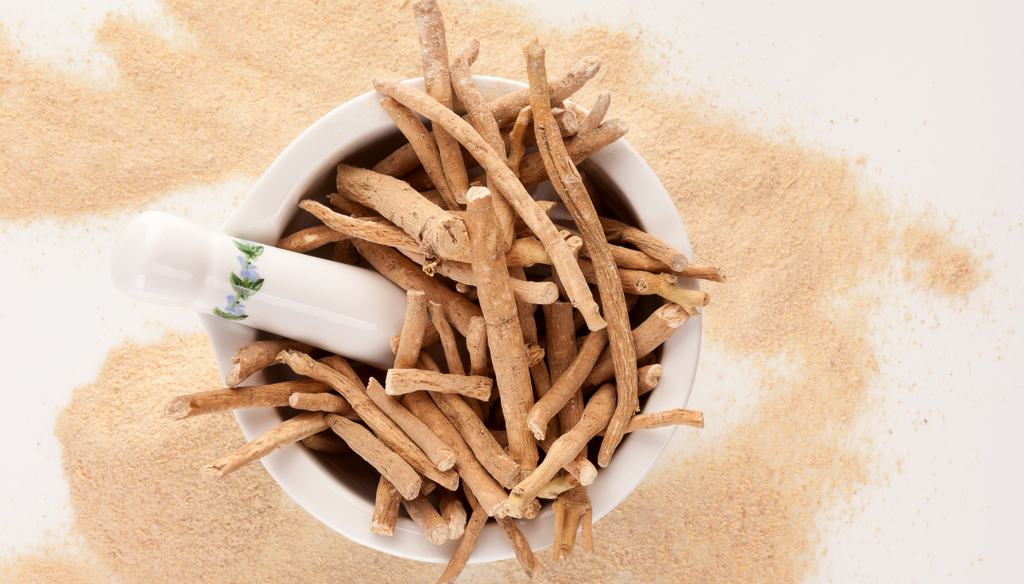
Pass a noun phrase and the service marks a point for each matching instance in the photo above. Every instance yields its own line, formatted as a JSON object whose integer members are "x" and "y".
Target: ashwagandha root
{"x": 567, "y": 120}
{"x": 524, "y": 291}
{"x": 580, "y": 147}
{"x": 534, "y": 351}
{"x": 562, "y": 352}
{"x": 504, "y": 109}
{"x": 558, "y": 485}
{"x": 567, "y": 182}
{"x": 646, "y": 283}
{"x": 654, "y": 331}
{"x": 428, "y": 519}
{"x": 340, "y": 364}
{"x": 422, "y": 142}
{"x": 411, "y": 339}
{"x": 580, "y": 468}
{"x": 322, "y": 402}
{"x": 460, "y": 558}
{"x": 259, "y": 355}
{"x": 434, "y": 229}
{"x": 369, "y": 448}
{"x": 252, "y": 396}
{"x": 479, "y": 439}
{"x": 444, "y": 332}
{"x": 521, "y": 547}
{"x": 437, "y": 82}
{"x": 517, "y": 142}
{"x": 567, "y": 384}
{"x": 656, "y": 248}
{"x": 436, "y": 450}
{"x": 507, "y": 107}
{"x": 504, "y": 334}
{"x": 385, "y": 429}
{"x": 310, "y": 239}
{"x": 345, "y": 253}
{"x": 476, "y": 343}
{"x": 702, "y": 272}
{"x": 595, "y": 418}
{"x": 376, "y": 230}
{"x": 572, "y": 510}
{"x": 512, "y": 189}
{"x": 326, "y": 442}
{"x": 354, "y": 209}
{"x": 492, "y": 496}
{"x": 453, "y": 513}
{"x": 680, "y": 417}
{"x": 593, "y": 119}
{"x": 479, "y": 114}
{"x": 648, "y": 378}
{"x": 285, "y": 433}
{"x": 430, "y": 336}
{"x": 385, "y": 508}
{"x": 561, "y": 338}
{"x": 403, "y": 381}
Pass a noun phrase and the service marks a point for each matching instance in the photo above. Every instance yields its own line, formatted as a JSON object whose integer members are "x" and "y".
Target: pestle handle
{"x": 345, "y": 309}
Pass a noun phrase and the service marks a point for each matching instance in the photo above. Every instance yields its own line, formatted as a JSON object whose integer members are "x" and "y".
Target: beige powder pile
{"x": 796, "y": 234}
{"x": 935, "y": 262}
{"x": 51, "y": 566}
{"x": 141, "y": 503}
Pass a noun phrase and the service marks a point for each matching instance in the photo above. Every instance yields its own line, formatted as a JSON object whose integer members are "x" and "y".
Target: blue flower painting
{"x": 245, "y": 283}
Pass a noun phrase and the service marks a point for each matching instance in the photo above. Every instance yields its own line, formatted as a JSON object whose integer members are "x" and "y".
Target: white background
{"x": 937, "y": 92}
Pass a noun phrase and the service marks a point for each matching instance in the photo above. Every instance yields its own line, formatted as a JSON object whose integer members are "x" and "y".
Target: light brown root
{"x": 444, "y": 332}
{"x": 512, "y": 189}
{"x": 385, "y": 508}
{"x": 411, "y": 340}
{"x": 453, "y": 513}
{"x": 436, "y": 450}
{"x": 403, "y": 381}
{"x": 504, "y": 334}
{"x": 259, "y": 355}
{"x": 310, "y": 239}
{"x": 427, "y": 519}
{"x": 480, "y": 441}
{"x": 386, "y": 430}
{"x": 326, "y": 442}
{"x": 253, "y": 396}
{"x": 286, "y": 433}
{"x": 490, "y": 493}
{"x": 369, "y": 448}
{"x": 595, "y": 418}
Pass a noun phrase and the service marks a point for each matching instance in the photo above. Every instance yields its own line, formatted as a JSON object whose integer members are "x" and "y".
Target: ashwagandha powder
{"x": 794, "y": 229}
{"x": 50, "y": 566}
{"x": 143, "y": 507}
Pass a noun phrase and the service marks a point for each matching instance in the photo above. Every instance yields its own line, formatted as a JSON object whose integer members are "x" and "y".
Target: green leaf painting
{"x": 251, "y": 251}
{"x": 245, "y": 284}
{"x": 229, "y": 315}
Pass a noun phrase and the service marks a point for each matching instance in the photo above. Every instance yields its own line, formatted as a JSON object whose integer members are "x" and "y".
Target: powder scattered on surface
{"x": 791, "y": 226}
{"x": 51, "y": 566}
{"x": 935, "y": 262}
{"x": 141, "y": 503}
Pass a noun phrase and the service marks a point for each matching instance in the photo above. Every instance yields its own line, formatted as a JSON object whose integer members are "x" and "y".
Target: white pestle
{"x": 345, "y": 309}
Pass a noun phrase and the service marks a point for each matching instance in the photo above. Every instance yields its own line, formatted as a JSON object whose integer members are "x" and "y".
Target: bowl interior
{"x": 339, "y": 489}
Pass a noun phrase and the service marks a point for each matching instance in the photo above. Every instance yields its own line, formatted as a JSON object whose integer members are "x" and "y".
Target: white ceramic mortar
{"x": 360, "y": 131}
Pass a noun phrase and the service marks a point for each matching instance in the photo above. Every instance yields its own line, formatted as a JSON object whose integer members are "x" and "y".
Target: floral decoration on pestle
{"x": 244, "y": 284}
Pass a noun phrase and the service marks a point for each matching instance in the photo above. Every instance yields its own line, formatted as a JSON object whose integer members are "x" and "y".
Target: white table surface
{"x": 938, "y": 94}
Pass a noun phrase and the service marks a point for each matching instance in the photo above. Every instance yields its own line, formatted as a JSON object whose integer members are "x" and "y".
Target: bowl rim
{"x": 263, "y": 215}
